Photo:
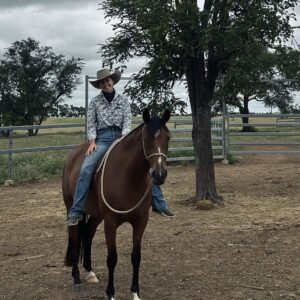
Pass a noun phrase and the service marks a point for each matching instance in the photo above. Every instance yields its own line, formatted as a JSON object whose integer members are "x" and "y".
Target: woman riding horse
{"x": 124, "y": 193}
{"x": 108, "y": 117}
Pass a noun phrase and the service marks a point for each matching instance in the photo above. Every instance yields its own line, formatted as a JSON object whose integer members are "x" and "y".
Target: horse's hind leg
{"x": 91, "y": 228}
{"x": 138, "y": 231}
{"x": 110, "y": 229}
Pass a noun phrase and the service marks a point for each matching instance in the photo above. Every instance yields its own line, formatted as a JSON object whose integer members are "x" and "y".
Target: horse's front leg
{"x": 110, "y": 230}
{"x": 138, "y": 231}
{"x": 135, "y": 260}
{"x": 74, "y": 244}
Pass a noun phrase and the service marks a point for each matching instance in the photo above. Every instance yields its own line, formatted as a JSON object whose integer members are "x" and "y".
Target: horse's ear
{"x": 146, "y": 116}
{"x": 166, "y": 116}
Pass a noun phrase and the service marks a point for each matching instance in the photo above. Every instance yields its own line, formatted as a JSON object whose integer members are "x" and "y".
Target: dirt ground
{"x": 249, "y": 249}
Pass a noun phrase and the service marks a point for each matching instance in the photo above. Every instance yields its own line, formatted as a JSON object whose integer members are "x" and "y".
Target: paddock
{"x": 248, "y": 249}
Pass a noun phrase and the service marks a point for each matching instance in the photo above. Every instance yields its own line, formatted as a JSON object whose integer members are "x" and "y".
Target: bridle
{"x": 103, "y": 163}
{"x": 152, "y": 154}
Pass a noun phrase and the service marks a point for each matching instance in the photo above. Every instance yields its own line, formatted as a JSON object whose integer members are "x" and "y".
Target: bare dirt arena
{"x": 249, "y": 249}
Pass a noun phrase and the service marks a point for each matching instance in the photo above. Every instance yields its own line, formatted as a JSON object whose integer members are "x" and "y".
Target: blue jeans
{"x": 105, "y": 137}
{"x": 158, "y": 201}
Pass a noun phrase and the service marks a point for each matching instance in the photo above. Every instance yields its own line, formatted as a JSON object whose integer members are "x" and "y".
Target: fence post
{"x": 10, "y": 181}
{"x": 86, "y": 103}
{"x": 224, "y": 136}
{"x": 228, "y": 134}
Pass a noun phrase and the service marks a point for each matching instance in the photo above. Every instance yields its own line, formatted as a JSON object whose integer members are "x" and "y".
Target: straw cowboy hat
{"x": 104, "y": 73}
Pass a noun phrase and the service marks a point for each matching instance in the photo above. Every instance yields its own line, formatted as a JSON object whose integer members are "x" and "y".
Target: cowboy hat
{"x": 104, "y": 73}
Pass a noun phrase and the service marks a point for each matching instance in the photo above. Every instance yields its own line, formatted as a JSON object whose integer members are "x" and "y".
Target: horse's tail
{"x": 81, "y": 229}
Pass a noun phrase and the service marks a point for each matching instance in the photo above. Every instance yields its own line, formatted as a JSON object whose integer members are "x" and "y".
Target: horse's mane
{"x": 134, "y": 131}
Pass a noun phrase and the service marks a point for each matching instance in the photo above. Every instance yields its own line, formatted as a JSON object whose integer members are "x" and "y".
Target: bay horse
{"x": 120, "y": 192}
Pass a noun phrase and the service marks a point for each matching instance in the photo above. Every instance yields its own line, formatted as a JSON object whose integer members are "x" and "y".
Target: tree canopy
{"x": 33, "y": 80}
{"x": 262, "y": 75}
{"x": 170, "y": 33}
{"x": 184, "y": 41}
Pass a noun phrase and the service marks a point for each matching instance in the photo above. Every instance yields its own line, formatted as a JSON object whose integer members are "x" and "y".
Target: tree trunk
{"x": 204, "y": 163}
{"x": 245, "y": 110}
{"x": 200, "y": 99}
{"x": 4, "y": 133}
{"x": 34, "y": 132}
{"x": 31, "y": 132}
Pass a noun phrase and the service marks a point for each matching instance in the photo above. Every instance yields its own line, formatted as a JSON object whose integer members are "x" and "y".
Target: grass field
{"x": 40, "y": 165}
{"x": 34, "y": 166}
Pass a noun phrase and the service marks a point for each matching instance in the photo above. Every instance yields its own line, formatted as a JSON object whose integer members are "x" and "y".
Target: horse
{"x": 120, "y": 192}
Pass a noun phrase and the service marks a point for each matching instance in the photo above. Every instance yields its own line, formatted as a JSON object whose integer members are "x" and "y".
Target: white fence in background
{"x": 178, "y": 144}
{"x": 271, "y": 134}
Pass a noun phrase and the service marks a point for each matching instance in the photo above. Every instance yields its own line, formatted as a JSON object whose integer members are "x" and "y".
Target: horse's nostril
{"x": 155, "y": 174}
{"x": 159, "y": 176}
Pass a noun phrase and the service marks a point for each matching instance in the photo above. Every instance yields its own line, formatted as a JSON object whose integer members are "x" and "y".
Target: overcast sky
{"x": 73, "y": 28}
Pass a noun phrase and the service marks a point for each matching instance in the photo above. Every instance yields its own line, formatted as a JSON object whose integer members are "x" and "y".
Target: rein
{"x": 103, "y": 164}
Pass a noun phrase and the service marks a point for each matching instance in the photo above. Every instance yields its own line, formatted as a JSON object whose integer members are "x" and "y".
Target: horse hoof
{"x": 91, "y": 277}
{"x": 77, "y": 288}
{"x": 136, "y": 296}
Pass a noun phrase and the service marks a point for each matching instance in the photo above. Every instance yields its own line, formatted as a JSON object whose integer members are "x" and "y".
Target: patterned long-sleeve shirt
{"x": 102, "y": 114}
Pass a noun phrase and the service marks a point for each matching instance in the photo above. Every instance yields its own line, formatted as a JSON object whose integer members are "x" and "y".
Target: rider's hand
{"x": 92, "y": 147}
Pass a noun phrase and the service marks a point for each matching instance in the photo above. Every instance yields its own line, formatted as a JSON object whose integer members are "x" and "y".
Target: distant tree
{"x": 295, "y": 109}
{"x": 80, "y": 111}
{"x": 66, "y": 110}
{"x": 53, "y": 112}
{"x": 183, "y": 41}
{"x": 244, "y": 79}
{"x": 33, "y": 80}
{"x": 63, "y": 110}
{"x": 73, "y": 111}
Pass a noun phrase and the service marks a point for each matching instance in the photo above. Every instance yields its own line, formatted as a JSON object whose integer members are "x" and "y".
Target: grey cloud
{"x": 72, "y": 28}
{"x": 46, "y": 3}
{"x": 75, "y": 32}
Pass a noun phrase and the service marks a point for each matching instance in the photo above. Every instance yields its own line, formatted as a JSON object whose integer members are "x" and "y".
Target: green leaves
{"x": 33, "y": 79}
{"x": 174, "y": 35}
{"x": 243, "y": 77}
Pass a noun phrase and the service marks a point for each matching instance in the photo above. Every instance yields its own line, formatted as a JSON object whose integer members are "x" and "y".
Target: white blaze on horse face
{"x": 159, "y": 158}
{"x": 157, "y": 133}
